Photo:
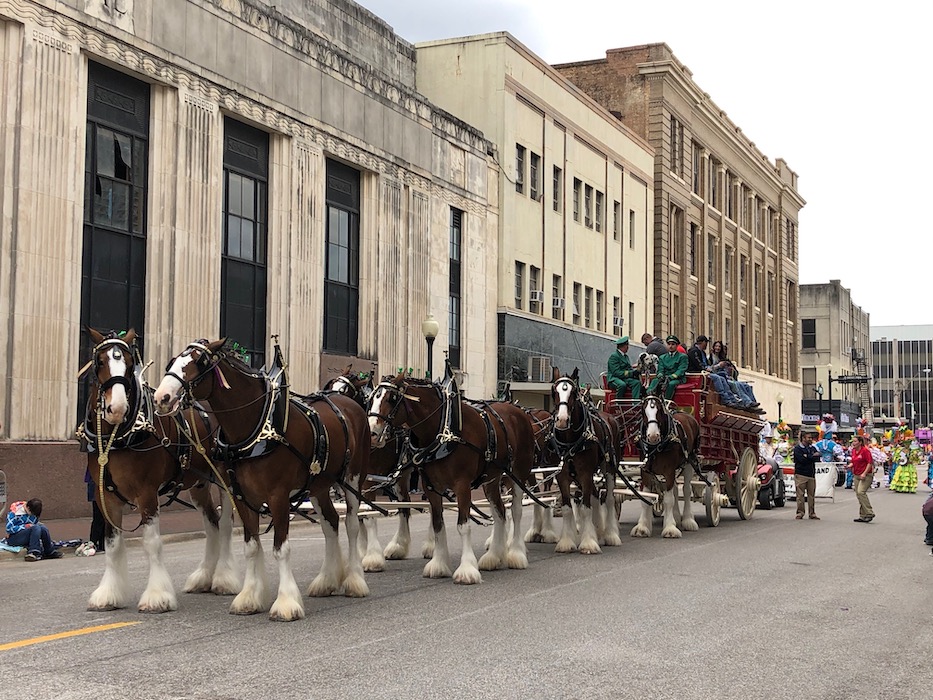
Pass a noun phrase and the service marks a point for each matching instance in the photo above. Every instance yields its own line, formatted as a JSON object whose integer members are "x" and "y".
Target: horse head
{"x": 113, "y": 362}
{"x": 565, "y": 391}
{"x": 355, "y": 385}
{"x": 654, "y": 420}
{"x": 384, "y": 403}
{"x": 185, "y": 375}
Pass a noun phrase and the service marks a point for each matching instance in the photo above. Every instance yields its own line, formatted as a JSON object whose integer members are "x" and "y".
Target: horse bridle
{"x": 574, "y": 390}
{"x": 121, "y": 379}
{"x": 206, "y": 363}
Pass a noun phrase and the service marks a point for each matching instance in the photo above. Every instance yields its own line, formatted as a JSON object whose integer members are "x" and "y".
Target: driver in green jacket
{"x": 621, "y": 376}
{"x": 672, "y": 367}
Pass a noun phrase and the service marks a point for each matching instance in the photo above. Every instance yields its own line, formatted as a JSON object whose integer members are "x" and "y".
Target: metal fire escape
{"x": 863, "y": 380}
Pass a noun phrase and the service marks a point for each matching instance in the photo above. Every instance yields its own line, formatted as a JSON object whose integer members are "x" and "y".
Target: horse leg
{"x": 669, "y": 511}
{"x": 288, "y": 605}
{"x": 354, "y": 584}
{"x": 398, "y": 546}
{"x": 568, "y": 531}
{"x": 329, "y": 580}
{"x": 494, "y": 558}
{"x": 468, "y": 572}
{"x": 645, "y": 523}
{"x": 373, "y": 558}
{"x": 537, "y": 520}
{"x": 159, "y": 595}
{"x": 113, "y": 591}
{"x": 517, "y": 557}
{"x": 589, "y": 511}
{"x": 610, "y": 521}
{"x": 215, "y": 573}
{"x": 252, "y": 598}
{"x": 439, "y": 565}
{"x": 688, "y": 523}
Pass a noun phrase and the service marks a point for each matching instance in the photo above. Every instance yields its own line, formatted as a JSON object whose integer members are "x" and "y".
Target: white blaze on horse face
{"x": 377, "y": 426}
{"x": 564, "y": 390}
{"x": 342, "y": 385}
{"x": 169, "y": 389}
{"x": 116, "y": 409}
{"x": 652, "y": 430}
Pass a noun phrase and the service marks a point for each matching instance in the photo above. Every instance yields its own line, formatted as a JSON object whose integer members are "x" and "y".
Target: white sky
{"x": 838, "y": 92}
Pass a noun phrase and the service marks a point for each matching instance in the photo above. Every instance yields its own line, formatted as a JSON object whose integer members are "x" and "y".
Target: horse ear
{"x": 130, "y": 336}
{"x": 95, "y": 335}
{"x": 555, "y": 374}
{"x": 217, "y": 344}
{"x": 348, "y": 369}
{"x": 576, "y": 374}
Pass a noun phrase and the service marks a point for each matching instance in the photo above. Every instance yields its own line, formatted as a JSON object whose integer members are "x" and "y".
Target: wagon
{"x": 728, "y": 454}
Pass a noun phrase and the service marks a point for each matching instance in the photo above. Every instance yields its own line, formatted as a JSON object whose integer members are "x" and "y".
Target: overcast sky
{"x": 838, "y": 90}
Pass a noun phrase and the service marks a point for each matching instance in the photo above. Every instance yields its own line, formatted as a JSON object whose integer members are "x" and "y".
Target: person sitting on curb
{"x": 23, "y": 529}
{"x": 672, "y": 368}
{"x": 622, "y": 377}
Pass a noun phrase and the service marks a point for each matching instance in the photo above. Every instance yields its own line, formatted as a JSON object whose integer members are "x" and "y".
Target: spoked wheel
{"x": 712, "y": 500}
{"x": 746, "y": 484}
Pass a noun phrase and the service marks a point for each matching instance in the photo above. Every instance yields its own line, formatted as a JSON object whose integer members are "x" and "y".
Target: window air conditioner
{"x": 539, "y": 369}
{"x": 536, "y": 295}
{"x": 557, "y": 303}
{"x": 618, "y": 321}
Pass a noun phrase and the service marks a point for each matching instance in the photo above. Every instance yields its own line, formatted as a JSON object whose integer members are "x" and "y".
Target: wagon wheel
{"x": 746, "y": 484}
{"x": 712, "y": 500}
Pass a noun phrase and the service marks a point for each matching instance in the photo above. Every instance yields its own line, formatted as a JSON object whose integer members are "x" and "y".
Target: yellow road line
{"x": 64, "y": 635}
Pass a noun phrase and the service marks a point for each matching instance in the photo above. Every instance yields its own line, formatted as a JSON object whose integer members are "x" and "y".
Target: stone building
{"x": 236, "y": 168}
{"x": 902, "y": 364}
{"x": 725, "y": 217}
{"x": 834, "y": 353}
{"x": 575, "y": 205}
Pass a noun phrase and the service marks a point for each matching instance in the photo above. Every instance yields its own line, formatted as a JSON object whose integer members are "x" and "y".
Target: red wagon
{"x": 728, "y": 445}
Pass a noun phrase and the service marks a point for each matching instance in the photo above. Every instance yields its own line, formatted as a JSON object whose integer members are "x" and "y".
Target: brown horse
{"x": 133, "y": 457}
{"x": 669, "y": 443}
{"x": 587, "y": 443}
{"x": 542, "y": 525}
{"x": 459, "y": 445}
{"x": 278, "y": 447}
{"x": 384, "y": 462}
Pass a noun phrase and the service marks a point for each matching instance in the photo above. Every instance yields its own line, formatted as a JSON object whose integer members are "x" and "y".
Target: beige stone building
{"x": 835, "y": 349}
{"x": 575, "y": 204}
{"x": 725, "y": 217}
{"x": 200, "y": 168}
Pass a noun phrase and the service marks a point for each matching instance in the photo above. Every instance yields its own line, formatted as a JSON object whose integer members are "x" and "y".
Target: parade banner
{"x": 825, "y": 480}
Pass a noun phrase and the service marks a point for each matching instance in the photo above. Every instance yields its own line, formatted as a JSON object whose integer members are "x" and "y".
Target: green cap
{"x": 622, "y": 341}
{"x": 673, "y": 339}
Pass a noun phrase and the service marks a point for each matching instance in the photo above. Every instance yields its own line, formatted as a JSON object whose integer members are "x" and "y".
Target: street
{"x": 772, "y": 607}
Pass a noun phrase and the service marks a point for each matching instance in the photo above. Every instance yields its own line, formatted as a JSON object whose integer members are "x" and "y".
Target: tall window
{"x": 342, "y": 263}
{"x": 808, "y": 333}
{"x": 727, "y": 339}
{"x": 727, "y": 270}
{"x": 757, "y": 283}
{"x": 557, "y": 297}
{"x": 519, "y": 284}
{"x": 588, "y": 206}
{"x": 245, "y": 226}
{"x": 519, "y": 168}
{"x": 534, "y": 168}
{"x": 631, "y": 229}
{"x": 697, "y": 162}
{"x": 771, "y": 288}
{"x": 599, "y": 310}
{"x": 631, "y": 318}
{"x": 714, "y": 192}
{"x": 535, "y": 293}
{"x": 617, "y": 316}
{"x": 791, "y": 240}
{"x": 557, "y": 188}
{"x": 616, "y": 221}
{"x": 454, "y": 307}
{"x": 676, "y": 234}
{"x": 577, "y": 194}
{"x": 711, "y": 260}
{"x": 113, "y": 269}
{"x": 577, "y": 291}
{"x": 588, "y": 307}
{"x": 711, "y": 323}
{"x": 599, "y": 210}
{"x": 743, "y": 277}
{"x": 730, "y": 195}
{"x": 677, "y": 147}
{"x": 692, "y": 249}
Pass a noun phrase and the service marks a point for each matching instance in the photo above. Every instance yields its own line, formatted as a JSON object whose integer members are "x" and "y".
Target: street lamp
{"x": 829, "y": 374}
{"x": 780, "y": 400}
{"x": 429, "y": 328}
{"x": 819, "y": 404}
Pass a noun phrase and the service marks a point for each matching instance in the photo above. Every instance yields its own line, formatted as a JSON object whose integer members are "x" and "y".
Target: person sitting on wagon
{"x": 721, "y": 364}
{"x": 699, "y": 362}
{"x": 621, "y": 376}
{"x": 672, "y": 368}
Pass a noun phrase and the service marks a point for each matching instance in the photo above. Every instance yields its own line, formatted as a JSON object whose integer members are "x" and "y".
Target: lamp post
{"x": 829, "y": 374}
{"x": 780, "y": 400}
{"x": 429, "y": 328}
{"x": 819, "y": 403}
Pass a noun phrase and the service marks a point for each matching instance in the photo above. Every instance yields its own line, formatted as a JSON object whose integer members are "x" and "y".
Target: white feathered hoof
{"x": 246, "y": 603}
{"x": 322, "y": 587}
{"x": 565, "y": 546}
{"x": 467, "y": 576}
{"x": 198, "y": 582}
{"x": 373, "y": 563}
{"x": 157, "y": 603}
{"x": 490, "y": 562}
{"x": 355, "y": 586}
{"x": 533, "y": 535}
{"x": 689, "y": 525}
{"x": 671, "y": 533}
{"x": 612, "y": 539}
{"x": 641, "y": 531}
{"x": 590, "y": 546}
{"x": 100, "y": 603}
{"x": 286, "y": 610}
{"x": 517, "y": 560}
{"x": 226, "y": 582}
{"x": 427, "y": 550}
{"x": 436, "y": 569}
{"x": 395, "y": 551}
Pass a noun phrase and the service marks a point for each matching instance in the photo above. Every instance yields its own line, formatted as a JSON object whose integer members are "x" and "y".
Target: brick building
{"x": 725, "y": 217}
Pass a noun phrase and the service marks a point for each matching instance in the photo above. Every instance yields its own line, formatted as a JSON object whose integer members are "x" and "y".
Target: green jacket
{"x": 620, "y": 367}
{"x": 673, "y": 365}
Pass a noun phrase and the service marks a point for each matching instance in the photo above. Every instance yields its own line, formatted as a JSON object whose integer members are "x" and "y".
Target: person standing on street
{"x": 805, "y": 458}
{"x": 862, "y": 471}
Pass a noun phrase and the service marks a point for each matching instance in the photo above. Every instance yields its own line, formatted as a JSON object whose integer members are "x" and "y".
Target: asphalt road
{"x": 769, "y": 608}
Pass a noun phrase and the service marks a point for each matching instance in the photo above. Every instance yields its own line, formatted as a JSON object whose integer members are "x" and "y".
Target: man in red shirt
{"x": 862, "y": 471}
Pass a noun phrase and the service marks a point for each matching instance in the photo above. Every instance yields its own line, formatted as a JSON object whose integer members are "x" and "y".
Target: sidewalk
{"x": 174, "y": 525}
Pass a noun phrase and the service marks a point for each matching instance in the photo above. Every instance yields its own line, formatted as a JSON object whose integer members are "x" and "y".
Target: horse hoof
{"x": 517, "y": 560}
{"x": 286, "y": 613}
{"x": 373, "y": 564}
{"x": 157, "y": 607}
{"x": 565, "y": 547}
{"x": 590, "y": 548}
{"x": 467, "y": 577}
{"x": 489, "y": 562}
{"x": 434, "y": 570}
{"x": 104, "y": 607}
{"x": 672, "y": 534}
